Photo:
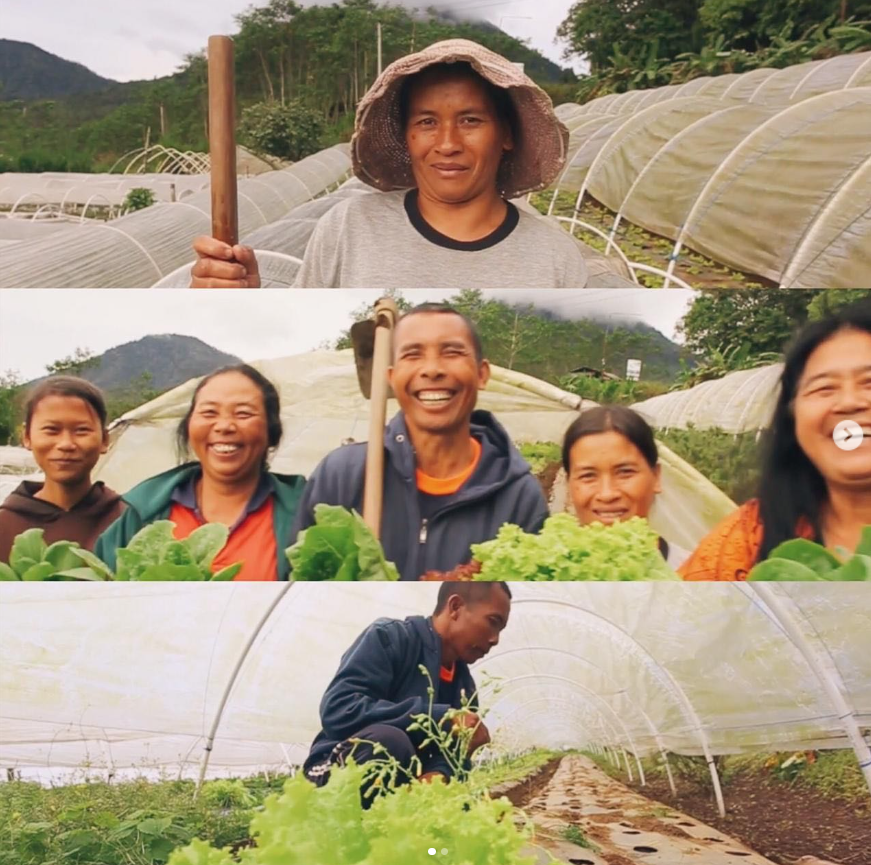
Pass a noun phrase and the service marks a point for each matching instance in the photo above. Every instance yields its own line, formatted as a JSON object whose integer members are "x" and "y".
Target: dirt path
{"x": 624, "y": 827}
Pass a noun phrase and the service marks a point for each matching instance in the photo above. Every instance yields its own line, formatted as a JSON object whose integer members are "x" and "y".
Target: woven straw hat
{"x": 378, "y": 148}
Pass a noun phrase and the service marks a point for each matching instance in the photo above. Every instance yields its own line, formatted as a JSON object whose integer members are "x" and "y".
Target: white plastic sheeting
{"x": 322, "y": 407}
{"x": 140, "y": 249}
{"x": 739, "y": 402}
{"x": 111, "y": 676}
{"x": 773, "y": 167}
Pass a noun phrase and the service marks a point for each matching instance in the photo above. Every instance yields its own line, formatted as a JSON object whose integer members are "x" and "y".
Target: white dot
{"x": 431, "y": 851}
{"x": 444, "y": 852}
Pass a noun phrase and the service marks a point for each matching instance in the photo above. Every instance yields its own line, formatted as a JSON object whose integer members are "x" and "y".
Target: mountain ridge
{"x": 30, "y": 72}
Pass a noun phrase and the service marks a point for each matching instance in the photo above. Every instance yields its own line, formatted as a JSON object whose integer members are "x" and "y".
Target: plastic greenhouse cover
{"x": 741, "y": 401}
{"x": 322, "y": 407}
{"x": 772, "y": 184}
{"x": 638, "y": 664}
{"x": 141, "y": 248}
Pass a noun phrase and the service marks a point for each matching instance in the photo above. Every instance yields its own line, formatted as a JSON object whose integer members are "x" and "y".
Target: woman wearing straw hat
{"x": 449, "y": 136}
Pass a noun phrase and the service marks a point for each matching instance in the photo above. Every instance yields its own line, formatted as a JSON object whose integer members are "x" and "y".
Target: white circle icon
{"x": 431, "y": 851}
{"x": 848, "y": 435}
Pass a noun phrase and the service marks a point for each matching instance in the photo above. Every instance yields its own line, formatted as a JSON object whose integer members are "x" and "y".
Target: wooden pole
{"x": 385, "y": 316}
{"x": 222, "y": 140}
{"x": 379, "y": 47}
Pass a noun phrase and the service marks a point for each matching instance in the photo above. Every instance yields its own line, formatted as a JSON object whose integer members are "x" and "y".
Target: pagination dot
{"x": 431, "y": 851}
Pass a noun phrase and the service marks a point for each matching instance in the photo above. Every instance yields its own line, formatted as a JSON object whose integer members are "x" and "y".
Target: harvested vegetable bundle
{"x": 565, "y": 550}
{"x": 340, "y": 546}
{"x": 803, "y": 560}
{"x": 153, "y": 554}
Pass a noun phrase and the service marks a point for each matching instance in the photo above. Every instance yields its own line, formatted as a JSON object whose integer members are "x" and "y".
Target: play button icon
{"x": 848, "y": 435}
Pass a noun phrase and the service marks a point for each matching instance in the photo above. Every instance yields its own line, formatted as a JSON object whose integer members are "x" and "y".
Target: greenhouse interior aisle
{"x": 622, "y": 826}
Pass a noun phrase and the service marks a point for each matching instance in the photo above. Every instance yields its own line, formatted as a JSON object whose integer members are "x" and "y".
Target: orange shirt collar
{"x": 447, "y": 486}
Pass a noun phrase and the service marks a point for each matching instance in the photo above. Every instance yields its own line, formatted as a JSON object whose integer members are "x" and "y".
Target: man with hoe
{"x": 452, "y": 476}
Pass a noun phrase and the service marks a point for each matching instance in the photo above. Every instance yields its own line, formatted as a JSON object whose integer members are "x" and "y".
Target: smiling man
{"x": 452, "y": 476}
{"x": 448, "y": 136}
{"x": 379, "y": 687}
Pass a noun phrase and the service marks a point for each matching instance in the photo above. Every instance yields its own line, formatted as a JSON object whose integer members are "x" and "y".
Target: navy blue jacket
{"x": 379, "y": 682}
{"x": 501, "y": 490}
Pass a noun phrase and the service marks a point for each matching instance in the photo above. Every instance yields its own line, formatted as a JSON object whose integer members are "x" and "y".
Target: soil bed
{"x": 781, "y": 821}
{"x": 532, "y": 785}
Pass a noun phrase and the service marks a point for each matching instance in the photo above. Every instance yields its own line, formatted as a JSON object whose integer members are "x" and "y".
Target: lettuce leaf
{"x": 567, "y": 551}
{"x": 801, "y": 560}
{"x": 339, "y": 547}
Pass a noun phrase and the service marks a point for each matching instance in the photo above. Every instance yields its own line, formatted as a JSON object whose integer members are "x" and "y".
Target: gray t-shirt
{"x": 380, "y": 240}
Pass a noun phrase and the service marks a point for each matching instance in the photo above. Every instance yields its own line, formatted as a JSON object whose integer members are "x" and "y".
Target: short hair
{"x": 612, "y": 418}
{"x": 506, "y": 111}
{"x": 446, "y": 309}
{"x": 271, "y": 403}
{"x": 470, "y": 592}
{"x": 65, "y": 385}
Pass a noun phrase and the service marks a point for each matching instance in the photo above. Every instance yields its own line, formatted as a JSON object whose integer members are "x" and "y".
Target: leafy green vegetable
{"x": 329, "y": 826}
{"x": 341, "y": 547}
{"x": 153, "y": 554}
{"x": 803, "y": 560}
{"x": 565, "y": 550}
{"x": 32, "y": 560}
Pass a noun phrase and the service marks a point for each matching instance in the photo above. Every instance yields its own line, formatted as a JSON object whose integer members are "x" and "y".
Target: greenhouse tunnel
{"x": 744, "y": 146}
{"x": 140, "y": 249}
{"x": 650, "y": 668}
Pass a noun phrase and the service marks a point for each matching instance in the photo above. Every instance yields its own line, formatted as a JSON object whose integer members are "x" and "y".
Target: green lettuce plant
{"x": 153, "y": 554}
{"x": 803, "y": 560}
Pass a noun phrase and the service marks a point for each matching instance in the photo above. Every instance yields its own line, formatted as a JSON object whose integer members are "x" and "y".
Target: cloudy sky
{"x": 126, "y": 40}
{"x": 38, "y": 327}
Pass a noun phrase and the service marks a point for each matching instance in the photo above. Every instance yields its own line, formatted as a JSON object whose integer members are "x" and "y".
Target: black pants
{"x": 396, "y": 742}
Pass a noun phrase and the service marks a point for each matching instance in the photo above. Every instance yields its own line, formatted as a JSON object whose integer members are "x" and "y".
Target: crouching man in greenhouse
{"x": 372, "y": 708}
{"x": 452, "y": 476}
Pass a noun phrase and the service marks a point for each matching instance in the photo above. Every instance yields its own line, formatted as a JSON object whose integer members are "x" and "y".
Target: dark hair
{"x": 503, "y": 104}
{"x": 470, "y": 592}
{"x": 791, "y": 487}
{"x": 65, "y": 385}
{"x": 446, "y": 309}
{"x": 612, "y": 418}
{"x": 271, "y": 403}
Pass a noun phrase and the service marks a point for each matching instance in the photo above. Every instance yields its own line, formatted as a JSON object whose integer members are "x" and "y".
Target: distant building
{"x": 596, "y": 373}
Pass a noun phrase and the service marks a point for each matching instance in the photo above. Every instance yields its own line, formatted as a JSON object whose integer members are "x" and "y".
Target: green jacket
{"x": 152, "y": 500}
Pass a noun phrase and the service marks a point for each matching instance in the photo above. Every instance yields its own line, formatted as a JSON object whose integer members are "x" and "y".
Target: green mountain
{"x": 322, "y": 55}
{"x": 167, "y": 359}
{"x": 28, "y": 72}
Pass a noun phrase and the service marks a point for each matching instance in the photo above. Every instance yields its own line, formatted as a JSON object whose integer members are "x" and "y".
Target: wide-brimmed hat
{"x": 378, "y": 148}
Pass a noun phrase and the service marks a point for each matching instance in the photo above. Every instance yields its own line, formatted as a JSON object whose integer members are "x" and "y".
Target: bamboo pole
{"x": 385, "y": 317}
{"x": 222, "y": 140}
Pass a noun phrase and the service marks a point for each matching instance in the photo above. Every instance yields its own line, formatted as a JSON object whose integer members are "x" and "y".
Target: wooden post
{"x": 385, "y": 316}
{"x": 222, "y": 140}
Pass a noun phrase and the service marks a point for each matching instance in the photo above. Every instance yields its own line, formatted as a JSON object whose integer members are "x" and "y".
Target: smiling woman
{"x": 65, "y": 429}
{"x": 231, "y": 425}
{"x": 811, "y": 486}
{"x": 448, "y": 136}
{"x": 612, "y": 464}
